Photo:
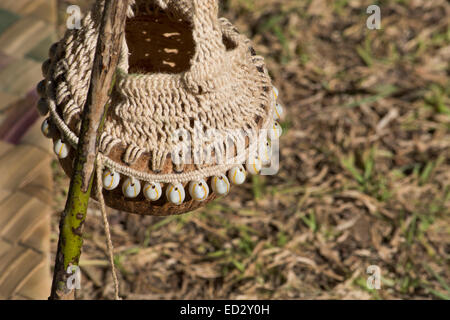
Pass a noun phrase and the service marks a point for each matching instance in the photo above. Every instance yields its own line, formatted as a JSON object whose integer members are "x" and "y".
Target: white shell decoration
{"x": 199, "y": 190}
{"x": 152, "y": 191}
{"x": 276, "y": 131}
{"x": 61, "y": 149}
{"x": 131, "y": 187}
{"x": 45, "y": 128}
{"x": 220, "y": 185}
{"x": 254, "y": 165}
{"x": 237, "y": 175}
{"x": 278, "y": 114}
{"x": 111, "y": 179}
{"x": 175, "y": 193}
{"x": 275, "y": 92}
{"x": 265, "y": 153}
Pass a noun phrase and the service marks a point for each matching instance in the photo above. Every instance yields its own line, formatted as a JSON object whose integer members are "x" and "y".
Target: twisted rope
{"x": 109, "y": 243}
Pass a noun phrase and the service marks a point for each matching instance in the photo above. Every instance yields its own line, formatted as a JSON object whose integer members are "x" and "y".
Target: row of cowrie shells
{"x": 276, "y": 130}
{"x": 253, "y": 166}
{"x": 62, "y": 149}
{"x": 42, "y": 105}
{"x": 175, "y": 193}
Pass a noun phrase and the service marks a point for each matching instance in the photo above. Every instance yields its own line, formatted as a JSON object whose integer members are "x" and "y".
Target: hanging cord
{"x": 109, "y": 243}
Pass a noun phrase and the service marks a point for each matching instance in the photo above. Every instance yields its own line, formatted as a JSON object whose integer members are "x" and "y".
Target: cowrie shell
{"x": 111, "y": 179}
{"x": 41, "y": 87}
{"x": 265, "y": 153}
{"x": 45, "y": 128}
{"x": 42, "y": 107}
{"x": 61, "y": 149}
{"x": 278, "y": 112}
{"x": 276, "y": 131}
{"x": 254, "y": 165}
{"x": 175, "y": 193}
{"x": 152, "y": 191}
{"x": 220, "y": 185}
{"x": 199, "y": 190}
{"x": 52, "y": 50}
{"x": 131, "y": 188}
{"x": 275, "y": 92}
{"x": 237, "y": 175}
{"x": 46, "y": 67}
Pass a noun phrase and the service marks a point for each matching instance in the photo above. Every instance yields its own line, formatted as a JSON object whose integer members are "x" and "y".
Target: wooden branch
{"x": 106, "y": 60}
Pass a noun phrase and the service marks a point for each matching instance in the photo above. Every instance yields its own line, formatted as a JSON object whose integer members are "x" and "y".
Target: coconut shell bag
{"x": 190, "y": 101}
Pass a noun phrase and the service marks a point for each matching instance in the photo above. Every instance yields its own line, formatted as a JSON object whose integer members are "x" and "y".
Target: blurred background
{"x": 365, "y": 166}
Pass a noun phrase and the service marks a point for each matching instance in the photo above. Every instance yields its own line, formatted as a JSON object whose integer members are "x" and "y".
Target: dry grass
{"x": 365, "y": 176}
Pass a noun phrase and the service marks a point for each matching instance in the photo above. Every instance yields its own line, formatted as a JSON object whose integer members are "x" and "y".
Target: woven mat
{"x": 26, "y": 32}
{"x": 27, "y": 29}
{"x": 25, "y": 198}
